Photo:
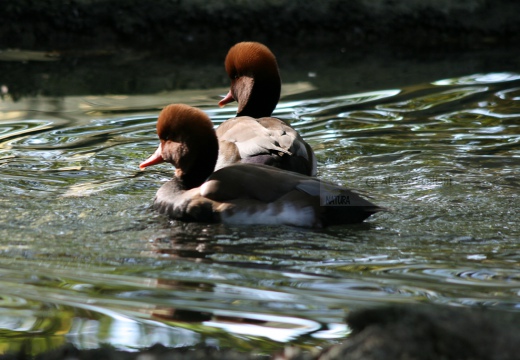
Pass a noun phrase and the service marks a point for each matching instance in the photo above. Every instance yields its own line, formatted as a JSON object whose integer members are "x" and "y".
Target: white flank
{"x": 272, "y": 214}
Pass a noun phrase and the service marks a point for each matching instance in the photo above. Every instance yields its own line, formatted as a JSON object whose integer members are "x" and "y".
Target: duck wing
{"x": 268, "y": 141}
{"x": 286, "y": 192}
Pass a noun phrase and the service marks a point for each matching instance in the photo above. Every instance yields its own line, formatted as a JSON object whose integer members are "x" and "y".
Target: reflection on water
{"x": 84, "y": 260}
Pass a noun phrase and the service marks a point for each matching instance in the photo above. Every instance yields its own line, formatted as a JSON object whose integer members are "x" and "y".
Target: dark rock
{"x": 429, "y": 332}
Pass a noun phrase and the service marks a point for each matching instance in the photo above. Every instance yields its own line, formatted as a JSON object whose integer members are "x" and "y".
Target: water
{"x": 84, "y": 260}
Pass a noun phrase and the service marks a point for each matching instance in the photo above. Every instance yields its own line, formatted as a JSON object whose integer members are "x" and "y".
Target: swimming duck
{"x": 240, "y": 193}
{"x": 253, "y": 136}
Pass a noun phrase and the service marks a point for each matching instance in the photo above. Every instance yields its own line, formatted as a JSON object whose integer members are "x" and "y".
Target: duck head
{"x": 255, "y": 79}
{"x": 188, "y": 142}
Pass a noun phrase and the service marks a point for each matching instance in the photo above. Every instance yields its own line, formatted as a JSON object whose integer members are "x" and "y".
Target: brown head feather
{"x": 255, "y": 79}
{"x": 189, "y": 142}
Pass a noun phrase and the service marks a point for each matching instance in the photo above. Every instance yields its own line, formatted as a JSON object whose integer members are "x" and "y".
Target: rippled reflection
{"x": 85, "y": 260}
{"x": 480, "y": 79}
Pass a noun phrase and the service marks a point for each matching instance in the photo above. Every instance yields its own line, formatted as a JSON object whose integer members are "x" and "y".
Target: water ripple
{"x": 85, "y": 258}
{"x": 432, "y": 100}
{"x": 476, "y": 79}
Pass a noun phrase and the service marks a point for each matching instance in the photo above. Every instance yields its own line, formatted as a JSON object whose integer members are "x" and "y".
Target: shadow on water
{"x": 84, "y": 260}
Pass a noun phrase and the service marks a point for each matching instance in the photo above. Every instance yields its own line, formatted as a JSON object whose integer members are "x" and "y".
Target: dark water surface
{"x": 84, "y": 260}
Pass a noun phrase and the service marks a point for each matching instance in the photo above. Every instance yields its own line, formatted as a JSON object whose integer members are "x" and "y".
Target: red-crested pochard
{"x": 253, "y": 136}
{"x": 240, "y": 193}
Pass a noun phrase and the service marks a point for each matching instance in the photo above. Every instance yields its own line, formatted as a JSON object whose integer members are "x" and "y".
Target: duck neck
{"x": 256, "y": 98}
{"x": 193, "y": 170}
{"x": 191, "y": 179}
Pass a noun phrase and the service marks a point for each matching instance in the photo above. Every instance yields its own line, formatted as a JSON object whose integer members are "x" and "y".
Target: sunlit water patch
{"x": 84, "y": 260}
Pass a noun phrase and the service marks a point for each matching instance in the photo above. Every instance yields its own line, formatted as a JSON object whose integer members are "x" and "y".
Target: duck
{"x": 253, "y": 135}
{"x": 242, "y": 193}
